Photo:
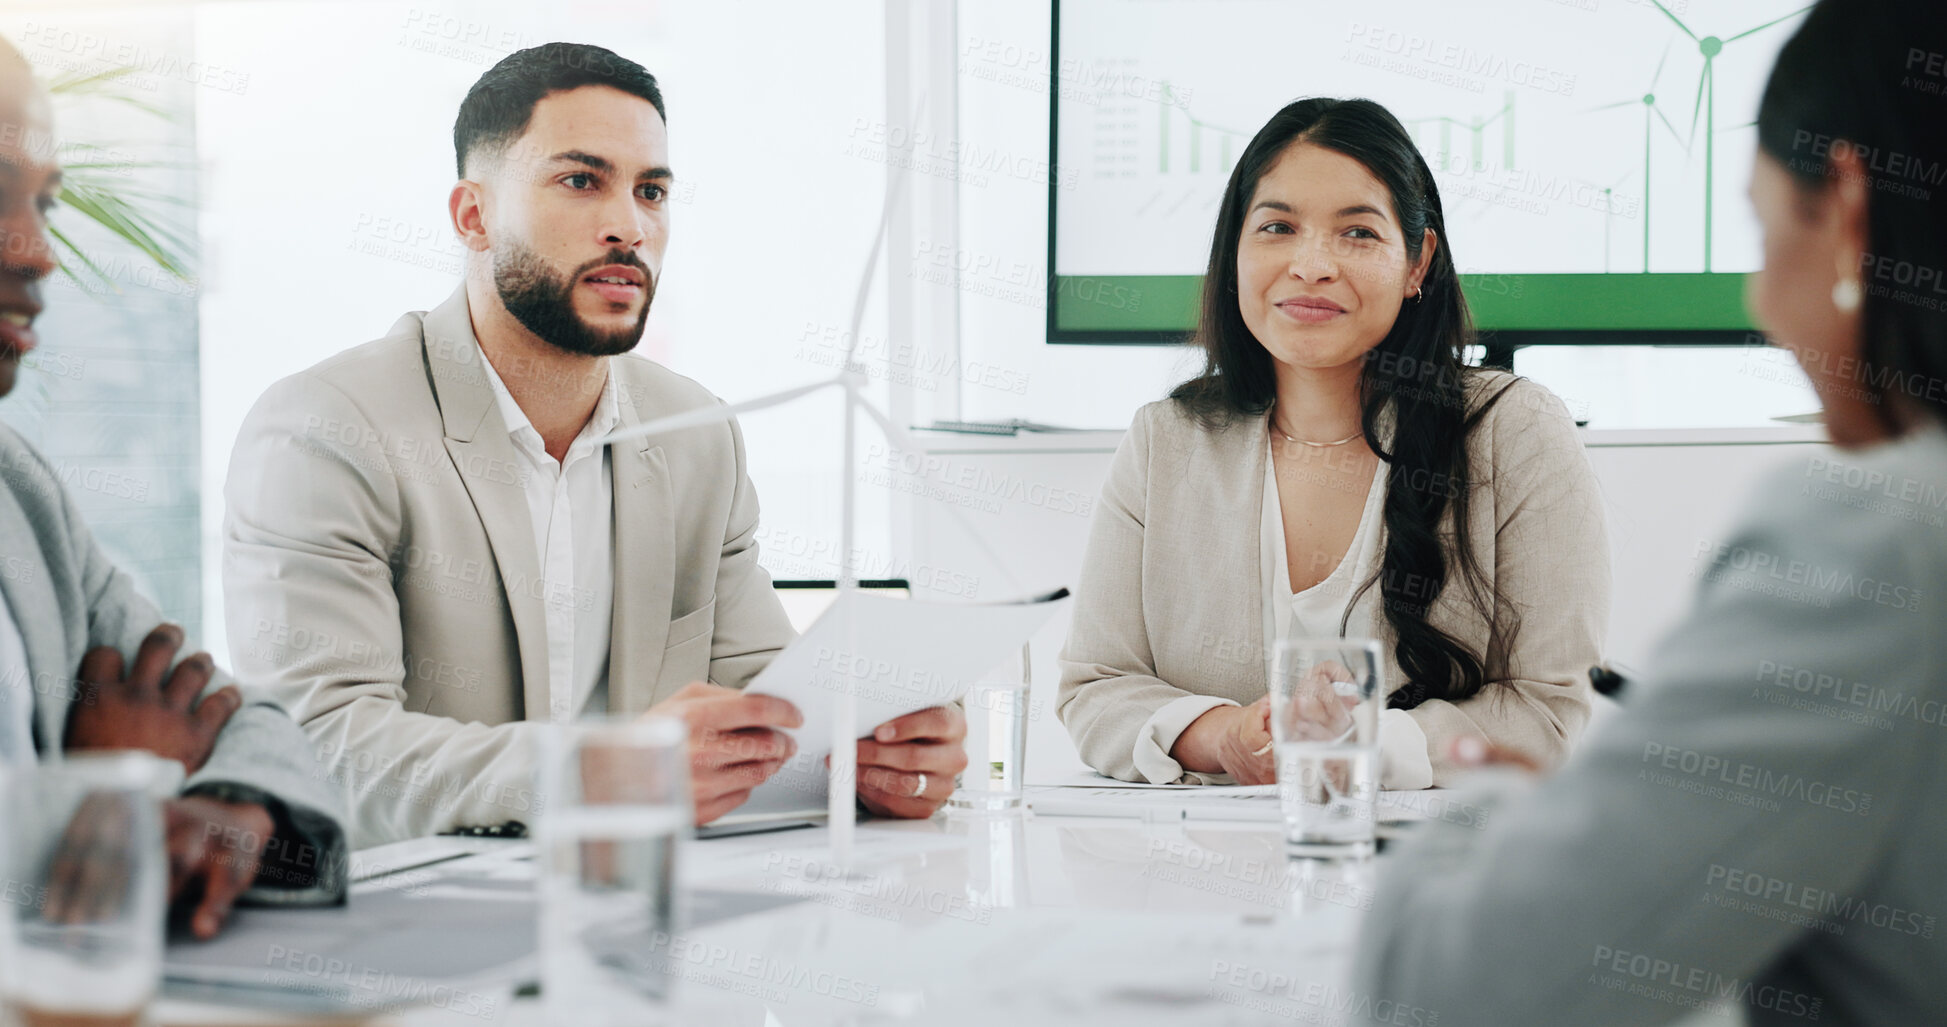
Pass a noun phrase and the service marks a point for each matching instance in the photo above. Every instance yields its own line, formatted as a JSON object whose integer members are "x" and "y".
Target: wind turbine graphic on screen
{"x": 1651, "y": 115}
{"x": 1609, "y": 219}
{"x": 1710, "y": 47}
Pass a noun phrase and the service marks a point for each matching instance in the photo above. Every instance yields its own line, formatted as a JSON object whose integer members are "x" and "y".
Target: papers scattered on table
{"x": 431, "y": 939}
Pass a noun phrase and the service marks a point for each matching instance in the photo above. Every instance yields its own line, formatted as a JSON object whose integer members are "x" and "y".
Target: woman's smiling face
{"x": 1322, "y": 265}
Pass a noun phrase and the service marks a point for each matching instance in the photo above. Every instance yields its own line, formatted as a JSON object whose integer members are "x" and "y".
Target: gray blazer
{"x": 380, "y": 576}
{"x": 1759, "y": 826}
{"x": 67, "y": 598}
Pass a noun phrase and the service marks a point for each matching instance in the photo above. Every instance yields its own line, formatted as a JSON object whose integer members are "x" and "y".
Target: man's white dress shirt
{"x": 570, "y": 504}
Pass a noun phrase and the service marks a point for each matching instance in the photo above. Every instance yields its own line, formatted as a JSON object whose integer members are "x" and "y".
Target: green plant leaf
{"x": 129, "y": 223}
{"x": 64, "y": 243}
{"x": 102, "y": 192}
{"x": 102, "y": 85}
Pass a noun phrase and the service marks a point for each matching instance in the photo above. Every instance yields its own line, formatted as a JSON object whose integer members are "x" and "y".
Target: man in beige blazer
{"x": 427, "y": 552}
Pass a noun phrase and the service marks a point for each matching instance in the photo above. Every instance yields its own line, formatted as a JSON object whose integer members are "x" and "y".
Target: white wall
{"x": 326, "y": 184}
{"x": 1003, "y": 63}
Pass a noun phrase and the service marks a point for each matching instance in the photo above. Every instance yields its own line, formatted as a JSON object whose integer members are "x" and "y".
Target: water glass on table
{"x": 84, "y": 889}
{"x": 1326, "y": 696}
{"x": 616, "y": 810}
{"x": 997, "y": 739}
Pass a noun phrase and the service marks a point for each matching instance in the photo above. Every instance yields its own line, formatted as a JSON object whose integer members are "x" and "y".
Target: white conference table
{"x": 1013, "y": 919}
{"x": 987, "y": 919}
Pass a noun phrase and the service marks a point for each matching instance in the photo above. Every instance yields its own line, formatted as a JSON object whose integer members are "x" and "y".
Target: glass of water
{"x": 1325, "y": 704}
{"x": 83, "y": 887}
{"x": 997, "y": 739}
{"x": 616, "y": 812}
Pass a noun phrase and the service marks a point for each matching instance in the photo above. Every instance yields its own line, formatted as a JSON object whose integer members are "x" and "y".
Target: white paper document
{"x": 898, "y": 656}
{"x": 411, "y": 939}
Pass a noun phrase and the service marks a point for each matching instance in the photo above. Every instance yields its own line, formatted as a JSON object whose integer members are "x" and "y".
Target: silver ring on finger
{"x": 920, "y": 789}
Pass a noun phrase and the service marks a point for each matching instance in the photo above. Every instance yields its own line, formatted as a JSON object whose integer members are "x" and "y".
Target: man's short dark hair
{"x": 499, "y": 106}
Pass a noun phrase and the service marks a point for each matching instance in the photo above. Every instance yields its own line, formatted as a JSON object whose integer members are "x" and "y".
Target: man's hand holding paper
{"x": 907, "y": 768}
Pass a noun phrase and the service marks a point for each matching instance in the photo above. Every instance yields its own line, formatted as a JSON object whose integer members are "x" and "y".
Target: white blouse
{"x": 1313, "y": 613}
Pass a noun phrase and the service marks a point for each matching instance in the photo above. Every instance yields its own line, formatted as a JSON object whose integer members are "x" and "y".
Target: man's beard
{"x": 544, "y": 302}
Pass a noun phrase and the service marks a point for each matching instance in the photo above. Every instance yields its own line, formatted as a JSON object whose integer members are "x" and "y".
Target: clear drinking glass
{"x": 616, "y": 811}
{"x": 1325, "y": 704}
{"x": 83, "y": 887}
{"x": 997, "y": 739}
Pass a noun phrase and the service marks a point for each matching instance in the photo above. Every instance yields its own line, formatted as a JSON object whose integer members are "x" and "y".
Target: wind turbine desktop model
{"x": 841, "y": 778}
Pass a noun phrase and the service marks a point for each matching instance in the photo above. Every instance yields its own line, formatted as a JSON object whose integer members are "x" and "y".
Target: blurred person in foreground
{"x": 87, "y": 664}
{"x": 1758, "y": 830}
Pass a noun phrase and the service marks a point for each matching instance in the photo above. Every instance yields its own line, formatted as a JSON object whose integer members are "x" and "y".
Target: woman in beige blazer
{"x": 1310, "y": 480}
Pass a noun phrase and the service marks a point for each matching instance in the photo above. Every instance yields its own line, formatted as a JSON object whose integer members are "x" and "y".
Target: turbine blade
{"x": 1768, "y": 24}
{"x": 905, "y": 443}
{"x": 1660, "y": 62}
{"x": 1674, "y": 134}
{"x": 1672, "y": 17}
{"x": 714, "y": 414}
{"x": 1613, "y": 106}
{"x": 1698, "y": 110}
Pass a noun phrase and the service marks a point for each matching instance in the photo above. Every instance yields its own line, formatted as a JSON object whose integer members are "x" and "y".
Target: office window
{"x": 111, "y": 396}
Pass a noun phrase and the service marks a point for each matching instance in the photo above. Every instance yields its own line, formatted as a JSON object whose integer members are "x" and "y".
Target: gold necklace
{"x": 1304, "y": 442}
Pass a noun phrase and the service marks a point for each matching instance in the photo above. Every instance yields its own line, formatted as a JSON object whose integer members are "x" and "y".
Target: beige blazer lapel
{"x": 37, "y": 616}
{"x": 484, "y": 454}
{"x": 645, "y": 562}
{"x": 1243, "y": 450}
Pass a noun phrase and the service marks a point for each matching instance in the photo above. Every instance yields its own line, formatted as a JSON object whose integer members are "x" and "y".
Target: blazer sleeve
{"x": 1607, "y": 884}
{"x": 260, "y": 756}
{"x": 312, "y": 520}
{"x": 1109, "y": 688}
{"x": 750, "y": 627}
{"x": 1550, "y": 558}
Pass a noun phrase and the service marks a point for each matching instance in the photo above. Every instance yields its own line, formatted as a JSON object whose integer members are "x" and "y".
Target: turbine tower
{"x": 1710, "y": 47}
{"x": 1651, "y": 114}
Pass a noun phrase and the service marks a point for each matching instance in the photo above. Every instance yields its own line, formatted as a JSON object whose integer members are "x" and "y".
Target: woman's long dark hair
{"x": 1871, "y": 76}
{"x": 1417, "y": 370}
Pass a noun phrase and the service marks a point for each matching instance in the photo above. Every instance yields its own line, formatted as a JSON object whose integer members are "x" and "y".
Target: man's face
{"x": 29, "y": 182}
{"x": 576, "y": 216}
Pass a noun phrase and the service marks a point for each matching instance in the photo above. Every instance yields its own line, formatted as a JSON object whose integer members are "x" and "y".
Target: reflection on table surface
{"x": 979, "y": 919}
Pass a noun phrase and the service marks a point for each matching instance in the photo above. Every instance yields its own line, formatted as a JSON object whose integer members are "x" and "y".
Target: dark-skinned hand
{"x": 214, "y": 849}
{"x": 150, "y": 707}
